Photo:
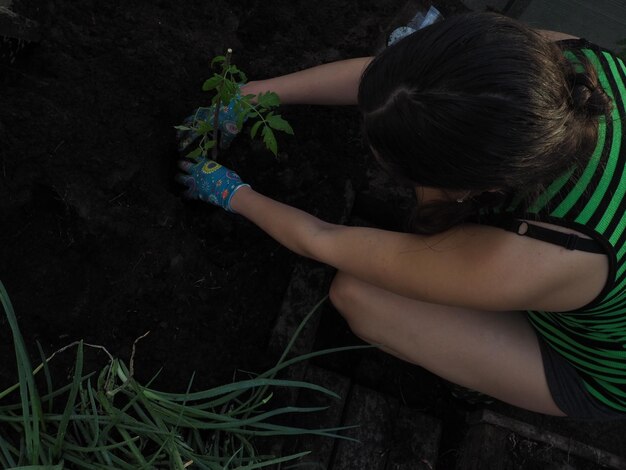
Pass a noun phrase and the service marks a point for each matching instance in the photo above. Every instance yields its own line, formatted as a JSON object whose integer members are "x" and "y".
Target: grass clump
{"x": 109, "y": 420}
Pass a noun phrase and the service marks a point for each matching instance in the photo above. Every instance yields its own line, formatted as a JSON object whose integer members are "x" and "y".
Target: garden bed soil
{"x": 96, "y": 242}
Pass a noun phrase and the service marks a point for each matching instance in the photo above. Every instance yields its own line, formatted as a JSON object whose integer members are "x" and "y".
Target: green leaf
{"x": 252, "y": 112}
{"x": 206, "y": 146}
{"x": 270, "y": 140}
{"x": 217, "y": 60}
{"x": 240, "y": 115}
{"x": 212, "y": 83}
{"x": 268, "y": 100}
{"x": 194, "y": 154}
{"x": 183, "y": 128}
{"x": 255, "y": 129}
{"x": 204, "y": 127}
{"x": 233, "y": 87}
{"x": 240, "y": 112}
{"x": 227, "y": 91}
{"x": 278, "y": 123}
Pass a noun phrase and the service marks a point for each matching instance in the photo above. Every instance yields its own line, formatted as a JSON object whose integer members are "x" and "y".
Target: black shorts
{"x": 568, "y": 390}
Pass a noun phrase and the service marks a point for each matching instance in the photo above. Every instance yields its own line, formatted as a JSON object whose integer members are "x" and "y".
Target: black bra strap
{"x": 569, "y": 241}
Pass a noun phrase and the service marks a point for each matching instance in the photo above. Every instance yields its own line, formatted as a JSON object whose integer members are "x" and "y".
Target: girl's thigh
{"x": 496, "y": 353}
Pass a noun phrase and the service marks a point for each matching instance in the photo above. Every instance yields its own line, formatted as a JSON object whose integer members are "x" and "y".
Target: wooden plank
{"x": 375, "y": 415}
{"x": 499, "y": 442}
{"x": 416, "y": 441}
{"x": 489, "y": 447}
{"x": 486, "y": 447}
{"x": 391, "y": 436}
{"x": 321, "y": 448}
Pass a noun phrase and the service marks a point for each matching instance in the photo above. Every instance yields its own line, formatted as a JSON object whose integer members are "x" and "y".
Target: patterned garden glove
{"x": 209, "y": 181}
{"x": 419, "y": 21}
{"x": 227, "y": 120}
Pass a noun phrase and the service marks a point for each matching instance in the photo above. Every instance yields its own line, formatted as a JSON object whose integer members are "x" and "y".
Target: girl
{"x": 513, "y": 281}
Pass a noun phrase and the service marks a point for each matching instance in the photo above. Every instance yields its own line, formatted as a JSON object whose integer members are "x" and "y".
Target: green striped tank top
{"x": 592, "y": 201}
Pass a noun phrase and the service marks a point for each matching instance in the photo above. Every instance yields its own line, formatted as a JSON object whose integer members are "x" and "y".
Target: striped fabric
{"x": 593, "y": 201}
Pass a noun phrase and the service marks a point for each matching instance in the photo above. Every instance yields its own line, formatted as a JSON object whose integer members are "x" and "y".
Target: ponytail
{"x": 587, "y": 95}
{"x": 587, "y": 102}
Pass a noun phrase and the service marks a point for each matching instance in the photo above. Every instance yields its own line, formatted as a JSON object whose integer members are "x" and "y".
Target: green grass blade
{"x": 262, "y": 391}
{"x": 268, "y": 429}
{"x": 95, "y": 449}
{"x": 46, "y": 371}
{"x": 29, "y": 396}
{"x": 6, "y": 453}
{"x": 116, "y": 422}
{"x": 275, "y": 461}
{"x": 304, "y": 357}
{"x": 233, "y": 456}
{"x": 40, "y": 467}
{"x": 95, "y": 423}
{"x": 71, "y": 401}
{"x": 241, "y": 385}
{"x": 44, "y": 398}
{"x": 301, "y": 326}
{"x": 80, "y": 463}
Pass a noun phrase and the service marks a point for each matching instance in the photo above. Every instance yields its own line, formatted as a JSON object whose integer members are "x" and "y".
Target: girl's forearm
{"x": 291, "y": 227}
{"x": 335, "y": 83}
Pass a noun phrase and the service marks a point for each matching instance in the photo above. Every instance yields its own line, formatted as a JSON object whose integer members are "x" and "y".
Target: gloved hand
{"x": 209, "y": 181}
{"x": 227, "y": 123}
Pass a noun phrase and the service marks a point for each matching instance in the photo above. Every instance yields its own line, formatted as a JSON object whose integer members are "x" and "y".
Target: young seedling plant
{"x": 226, "y": 88}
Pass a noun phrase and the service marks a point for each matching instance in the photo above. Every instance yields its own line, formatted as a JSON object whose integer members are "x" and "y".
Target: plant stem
{"x": 216, "y": 116}
{"x": 254, "y": 108}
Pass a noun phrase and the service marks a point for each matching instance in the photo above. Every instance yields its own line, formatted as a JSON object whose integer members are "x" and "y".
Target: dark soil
{"x": 96, "y": 243}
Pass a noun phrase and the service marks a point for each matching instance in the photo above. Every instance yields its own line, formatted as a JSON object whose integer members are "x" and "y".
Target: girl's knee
{"x": 341, "y": 292}
{"x": 346, "y": 296}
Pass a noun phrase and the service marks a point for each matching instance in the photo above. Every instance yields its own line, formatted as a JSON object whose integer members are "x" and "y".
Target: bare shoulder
{"x": 570, "y": 278}
{"x": 555, "y": 35}
{"x": 501, "y": 270}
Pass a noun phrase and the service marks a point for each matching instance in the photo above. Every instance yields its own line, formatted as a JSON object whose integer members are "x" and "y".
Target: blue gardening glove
{"x": 209, "y": 181}
{"x": 227, "y": 122}
{"x": 419, "y": 21}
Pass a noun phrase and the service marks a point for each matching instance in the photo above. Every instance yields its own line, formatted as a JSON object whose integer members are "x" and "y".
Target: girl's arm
{"x": 470, "y": 266}
{"x": 335, "y": 83}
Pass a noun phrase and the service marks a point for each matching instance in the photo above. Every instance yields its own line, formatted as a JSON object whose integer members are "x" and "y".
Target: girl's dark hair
{"x": 478, "y": 103}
